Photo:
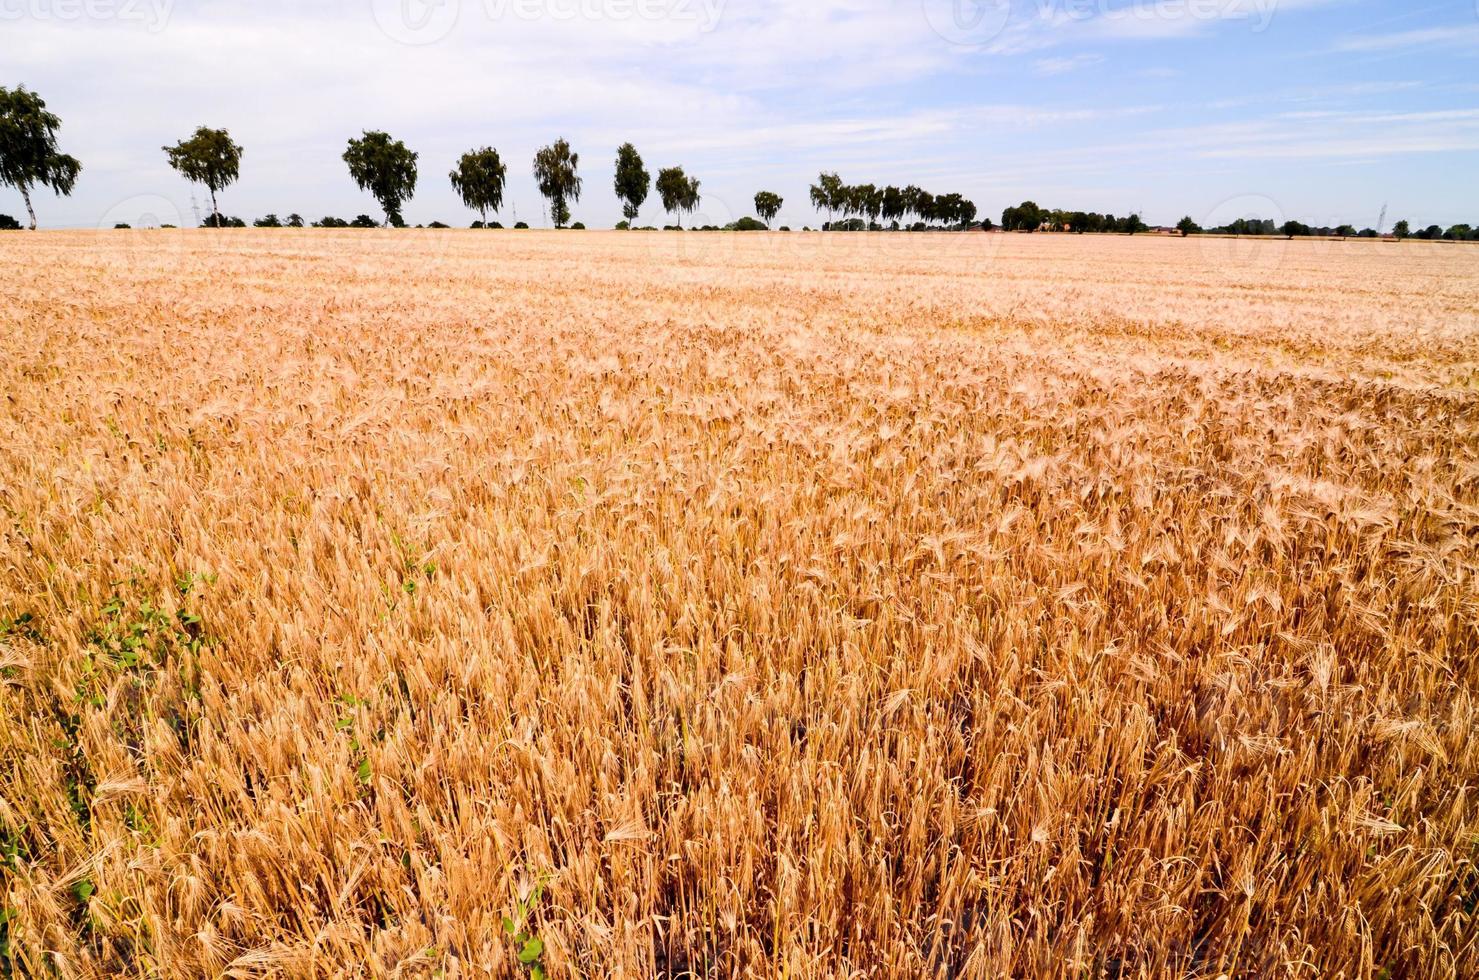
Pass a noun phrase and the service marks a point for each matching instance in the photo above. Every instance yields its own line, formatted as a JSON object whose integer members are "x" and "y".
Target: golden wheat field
{"x": 413, "y": 604}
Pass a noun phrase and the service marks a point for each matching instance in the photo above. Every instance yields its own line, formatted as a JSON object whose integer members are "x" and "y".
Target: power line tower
{"x": 1381, "y": 223}
{"x": 195, "y": 206}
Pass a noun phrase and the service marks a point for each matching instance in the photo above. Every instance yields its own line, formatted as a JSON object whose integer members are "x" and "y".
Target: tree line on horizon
{"x": 1027, "y": 216}
{"x": 1297, "y": 229}
{"x": 855, "y": 202}
{"x": 388, "y": 170}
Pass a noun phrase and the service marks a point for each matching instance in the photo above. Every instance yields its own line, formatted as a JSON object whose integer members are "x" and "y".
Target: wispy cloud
{"x": 1331, "y": 135}
{"x": 1062, "y": 66}
{"x": 1162, "y": 19}
{"x": 745, "y": 93}
{"x": 1463, "y": 38}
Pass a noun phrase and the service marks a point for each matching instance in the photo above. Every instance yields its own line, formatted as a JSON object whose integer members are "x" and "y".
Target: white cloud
{"x": 1062, "y": 66}
{"x": 1325, "y": 135}
{"x": 739, "y": 91}
{"x": 1466, "y": 38}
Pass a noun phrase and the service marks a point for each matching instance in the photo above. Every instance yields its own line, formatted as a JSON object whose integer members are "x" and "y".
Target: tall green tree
{"x": 678, "y": 191}
{"x": 28, "y": 150}
{"x": 868, "y": 201}
{"x": 691, "y": 197}
{"x": 479, "y": 180}
{"x": 1403, "y": 229}
{"x": 828, "y": 194}
{"x": 632, "y": 181}
{"x": 384, "y": 167}
{"x": 1026, "y": 216}
{"x": 893, "y": 203}
{"x": 1187, "y": 226}
{"x": 557, "y": 171}
{"x": 965, "y": 212}
{"x": 768, "y": 205}
{"x": 909, "y": 201}
{"x": 924, "y": 206}
{"x": 210, "y": 158}
{"x": 953, "y": 210}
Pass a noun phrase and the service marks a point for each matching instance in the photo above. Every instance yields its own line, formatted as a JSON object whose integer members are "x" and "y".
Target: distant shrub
{"x": 7, "y": 223}
{"x": 271, "y": 221}
{"x": 784, "y": 228}
{"x": 578, "y": 226}
{"x": 295, "y": 221}
{"x": 166, "y": 226}
{"x": 221, "y": 221}
{"x": 521, "y": 225}
{"x": 438, "y": 224}
{"x": 364, "y": 221}
{"x": 122, "y": 226}
{"x": 331, "y": 223}
{"x": 623, "y": 226}
{"x": 748, "y": 224}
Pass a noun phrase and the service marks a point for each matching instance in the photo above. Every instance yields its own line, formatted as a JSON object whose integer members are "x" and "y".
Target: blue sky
{"x": 1319, "y": 110}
